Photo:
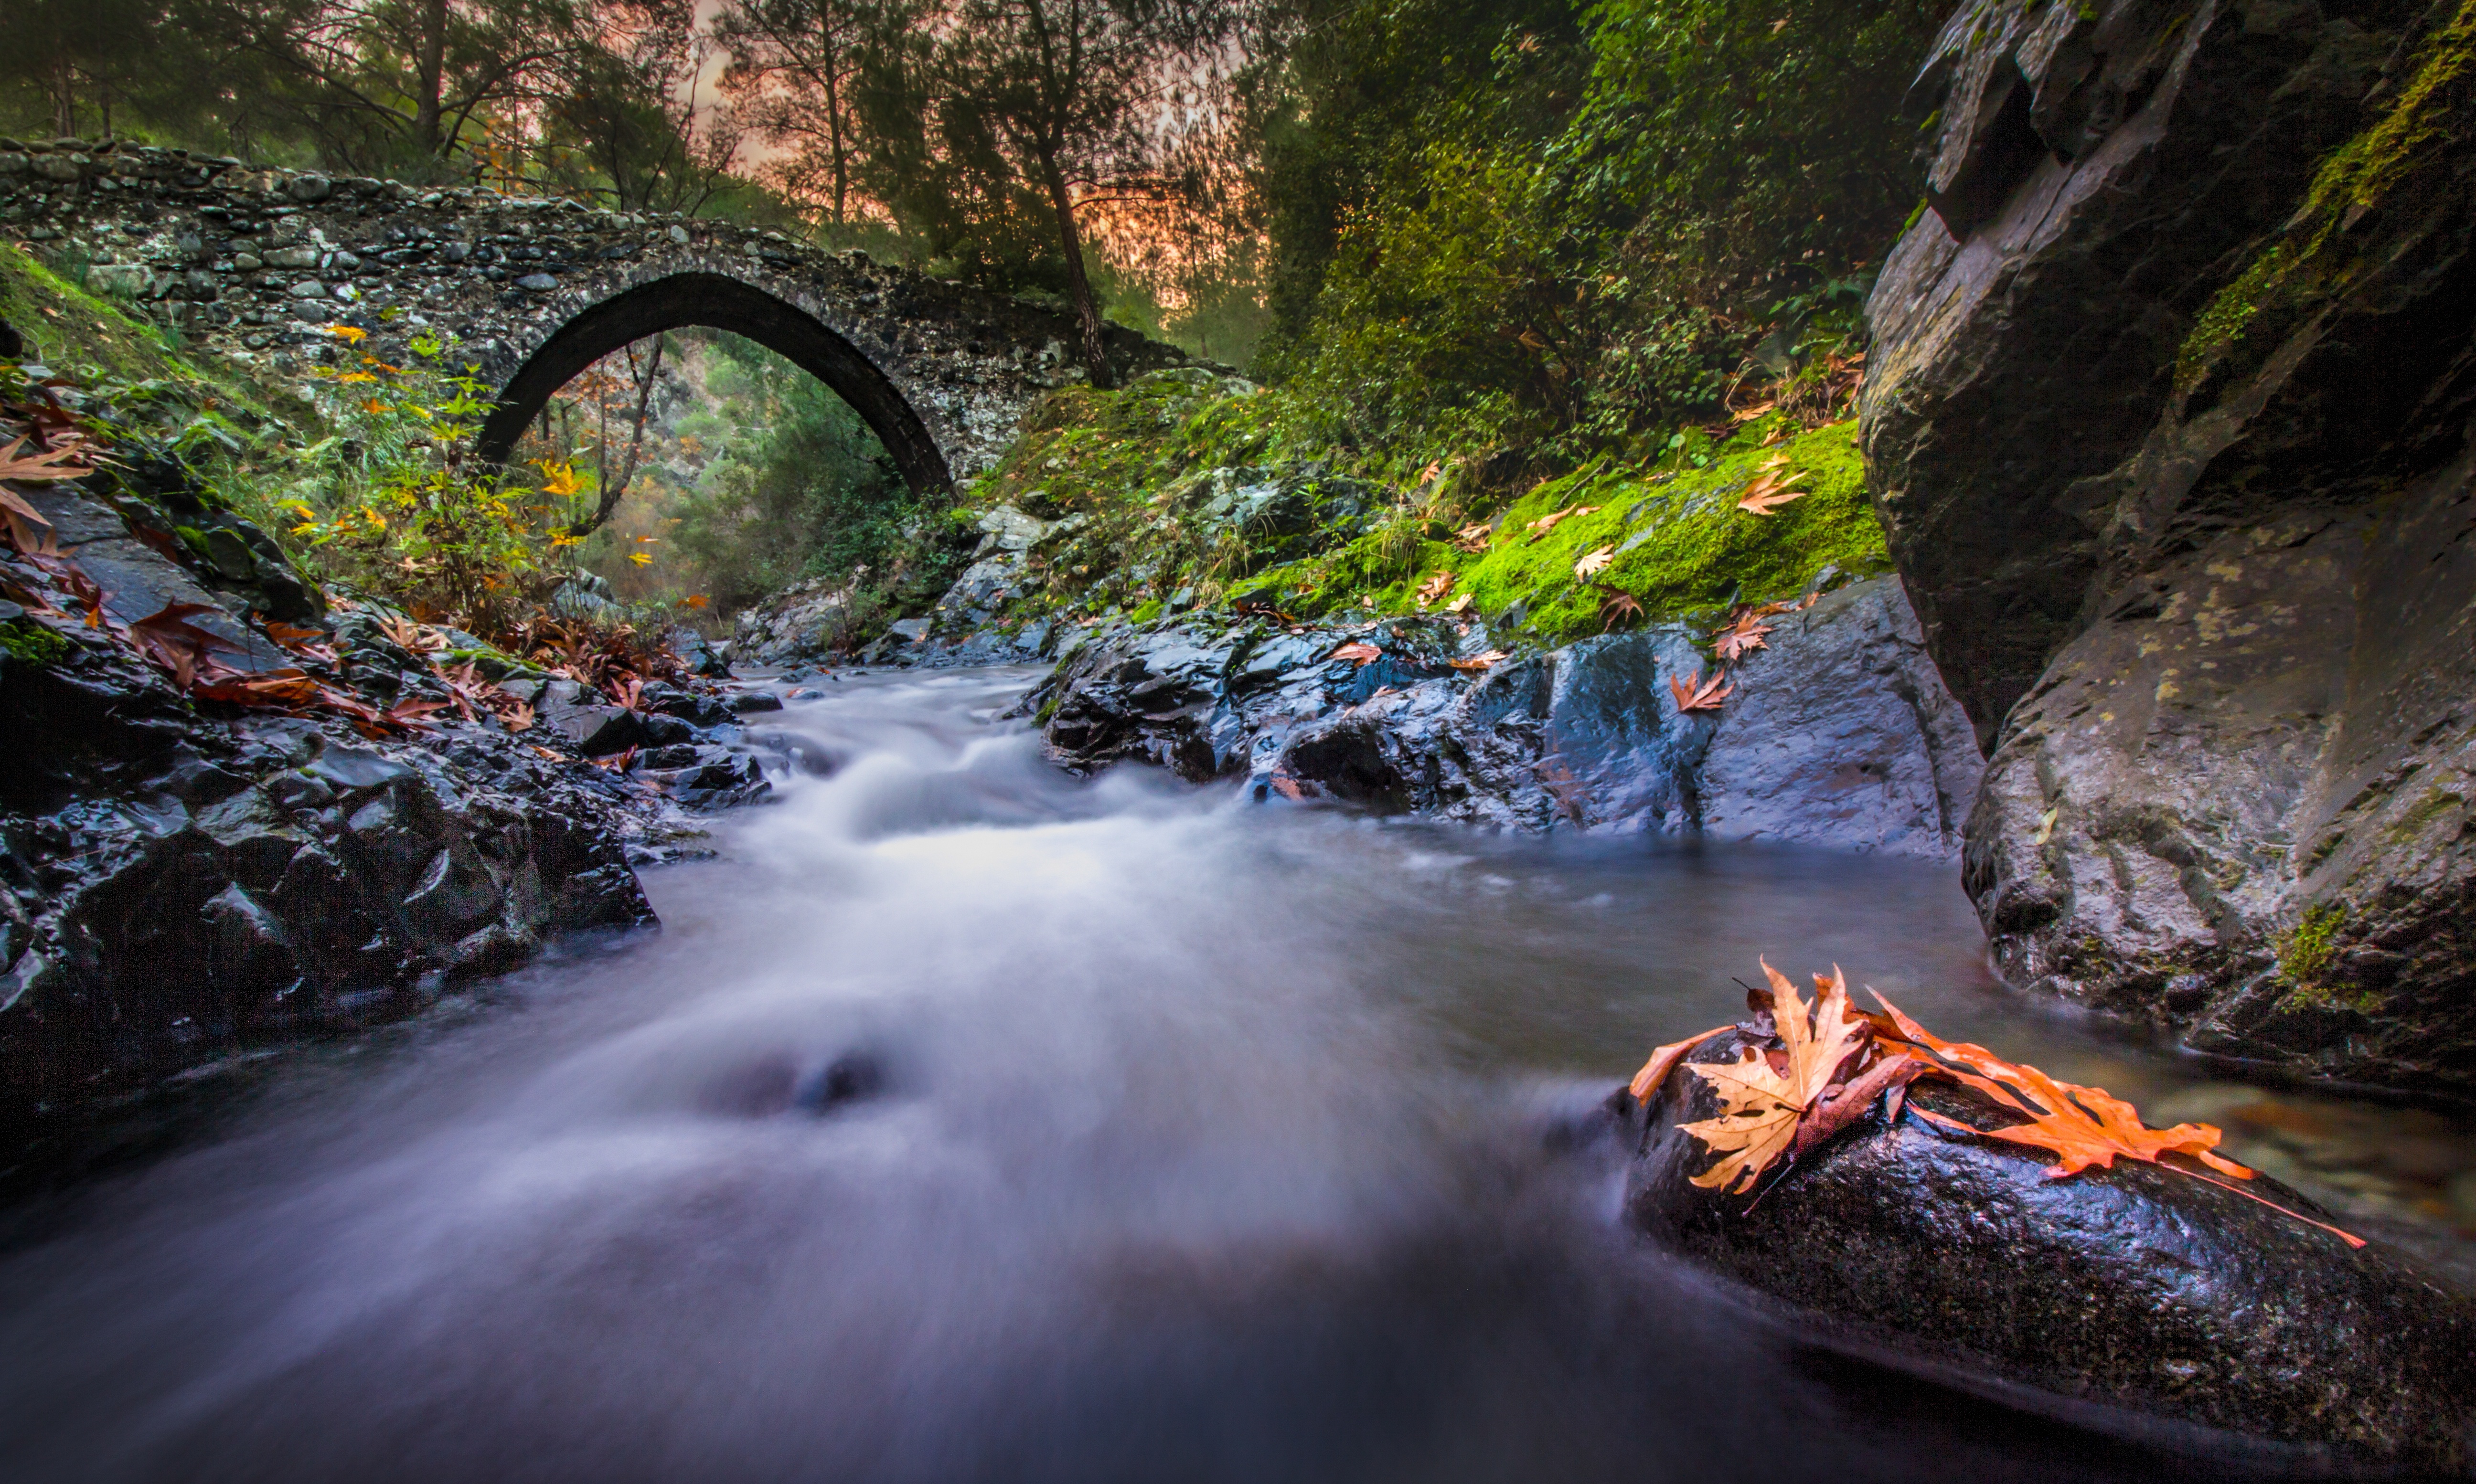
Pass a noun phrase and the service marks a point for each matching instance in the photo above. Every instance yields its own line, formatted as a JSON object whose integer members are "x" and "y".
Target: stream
{"x": 969, "y": 1121}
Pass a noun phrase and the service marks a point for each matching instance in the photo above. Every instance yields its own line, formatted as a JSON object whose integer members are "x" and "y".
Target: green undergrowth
{"x": 1188, "y": 491}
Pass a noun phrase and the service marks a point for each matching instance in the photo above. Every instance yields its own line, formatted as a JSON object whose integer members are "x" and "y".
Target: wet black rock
{"x": 1840, "y": 733}
{"x": 2171, "y": 444}
{"x": 180, "y": 888}
{"x": 2136, "y": 1286}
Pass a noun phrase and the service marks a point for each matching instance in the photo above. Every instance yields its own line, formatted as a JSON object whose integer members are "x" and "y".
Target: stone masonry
{"x": 256, "y": 263}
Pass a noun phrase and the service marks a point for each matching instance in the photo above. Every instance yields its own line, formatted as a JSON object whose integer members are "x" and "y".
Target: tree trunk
{"x": 613, "y": 489}
{"x": 1087, "y": 313}
{"x": 431, "y": 71}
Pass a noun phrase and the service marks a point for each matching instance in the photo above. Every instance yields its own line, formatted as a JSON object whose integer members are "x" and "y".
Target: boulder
{"x": 1839, "y": 734}
{"x": 2170, "y": 447}
{"x": 2136, "y": 1286}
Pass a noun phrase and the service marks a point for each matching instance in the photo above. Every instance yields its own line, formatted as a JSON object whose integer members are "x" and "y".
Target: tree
{"x": 622, "y": 123}
{"x": 1090, "y": 96}
{"x": 399, "y": 86}
{"x": 793, "y": 70}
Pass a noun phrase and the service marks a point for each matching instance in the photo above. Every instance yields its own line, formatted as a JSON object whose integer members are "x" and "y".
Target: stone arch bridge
{"x": 258, "y": 263}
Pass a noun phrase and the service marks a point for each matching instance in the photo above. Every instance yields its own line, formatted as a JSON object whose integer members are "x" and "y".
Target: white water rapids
{"x": 967, "y": 1120}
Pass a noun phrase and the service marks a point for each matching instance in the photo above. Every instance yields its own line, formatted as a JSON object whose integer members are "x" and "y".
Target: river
{"x": 967, "y": 1120}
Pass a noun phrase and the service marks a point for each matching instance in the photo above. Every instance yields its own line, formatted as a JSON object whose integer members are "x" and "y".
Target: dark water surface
{"x": 968, "y": 1121}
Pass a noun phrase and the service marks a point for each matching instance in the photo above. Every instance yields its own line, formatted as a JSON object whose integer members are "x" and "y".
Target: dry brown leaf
{"x": 1547, "y": 523}
{"x": 1479, "y": 663}
{"x": 1460, "y": 604}
{"x": 1698, "y": 694}
{"x": 1473, "y": 538}
{"x": 1365, "y": 653}
{"x": 1435, "y": 587}
{"x": 168, "y": 638}
{"x": 28, "y": 531}
{"x": 1618, "y": 608}
{"x": 1595, "y": 562}
{"x": 1743, "y": 637}
{"x": 47, "y": 467}
{"x": 1761, "y": 1103}
{"x": 1769, "y": 492}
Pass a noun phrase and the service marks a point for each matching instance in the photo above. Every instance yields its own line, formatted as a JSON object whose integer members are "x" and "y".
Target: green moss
{"x": 74, "y": 331}
{"x": 2306, "y": 952}
{"x": 2312, "y": 260}
{"x": 1682, "y": 547}
{"x": 28, "y": 642}
{"x": 2435, "y": 805}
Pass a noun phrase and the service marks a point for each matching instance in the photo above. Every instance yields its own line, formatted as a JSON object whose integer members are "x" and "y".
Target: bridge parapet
{"x": 258, "y": 263}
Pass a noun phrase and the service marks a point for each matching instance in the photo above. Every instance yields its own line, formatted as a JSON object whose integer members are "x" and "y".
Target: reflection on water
{"x": 970, "y": 1121}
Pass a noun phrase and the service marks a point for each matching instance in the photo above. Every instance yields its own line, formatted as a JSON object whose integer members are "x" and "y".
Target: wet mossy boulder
{"x": 2135, "y": 1287}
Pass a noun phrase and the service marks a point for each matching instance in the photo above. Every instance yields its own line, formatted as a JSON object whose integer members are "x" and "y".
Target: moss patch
{"x": 28, "y": 642}
{"x": 2314, "y": 259}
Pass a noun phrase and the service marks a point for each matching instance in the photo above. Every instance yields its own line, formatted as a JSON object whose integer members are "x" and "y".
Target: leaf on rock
{"x": 1654, "y": 1073}
{"x": 28, "y": 531}
{"x": 2081, "y": 1125}
{"x": 1595, "y": 562}
{"x": 1769, "y": 492}
{"x": 1478, "y": 662}
{"x": 1364, "y": 654}
{"x": 48, "y": 466}
{"x": 1547, "y": 523}
{"x": 1697, "y": 694}
{"x": 1744, "y": 635}
{"x": 1763, "y": 1095}
{"x": 168, "y": 638}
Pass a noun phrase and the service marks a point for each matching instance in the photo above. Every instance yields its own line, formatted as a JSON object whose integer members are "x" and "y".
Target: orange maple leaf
{"x": 2080, "y": 1125}
{"x": 1365, "y": 653}
{"x": 1763, "y": 1100}
{"x": 1697, "y": 694}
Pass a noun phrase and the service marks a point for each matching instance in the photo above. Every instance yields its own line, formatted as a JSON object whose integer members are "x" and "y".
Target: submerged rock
{"x": 2166, "y": 419}
{"x": 1839, "y": 734}
{"x": 2136, "y": 1286}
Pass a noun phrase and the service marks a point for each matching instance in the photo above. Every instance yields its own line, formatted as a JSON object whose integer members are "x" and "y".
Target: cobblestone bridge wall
{"x": 256, "y": 263}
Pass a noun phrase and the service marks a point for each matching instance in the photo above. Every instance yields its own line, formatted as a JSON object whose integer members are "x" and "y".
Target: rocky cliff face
{"x": 2168, "y": 425}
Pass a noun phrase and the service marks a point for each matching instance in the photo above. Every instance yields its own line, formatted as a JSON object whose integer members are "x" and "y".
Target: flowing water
{"x": 967, "y": 1122}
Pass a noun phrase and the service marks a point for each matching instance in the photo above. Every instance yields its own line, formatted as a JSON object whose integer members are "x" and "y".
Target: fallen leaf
{"x": 1460, "y": 604}
{"x": 1435, "y": 587}
{"x": 1761, "y": 1104}
{"x": 168, "y": 638}
{"x": 1743, "y": 637}
{"x": 411, "y": 638}
{"x": 28, "y": 531}
{"x": 1664, "y": 1060}
{"x": 1618, "y": 608}
{"x": 1478, "y": 662}
{"x": 2082, "y": 1127}
{"x": 1365, "y": 653}
{"x": 1547, "y": 523}
{"x": 1473, "y": 538}
{"x": 1769, "y": 492}
{"x": 1593, "y": 562}
{"x": 1698, "y": 694}
{"x": 43, "y": 468}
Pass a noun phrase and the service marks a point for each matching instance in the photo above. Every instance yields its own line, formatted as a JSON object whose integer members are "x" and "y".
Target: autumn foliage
{"x": 1805, "y": 1071}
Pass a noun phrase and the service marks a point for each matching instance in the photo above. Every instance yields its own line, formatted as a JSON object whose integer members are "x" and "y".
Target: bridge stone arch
{"x": 720, "y": 302}
{"x": 261, "y": 264}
